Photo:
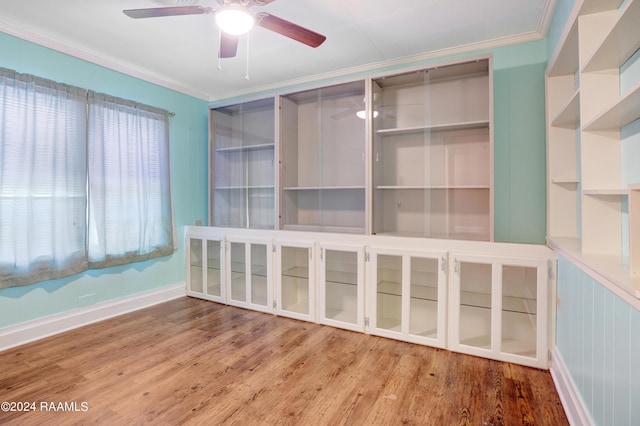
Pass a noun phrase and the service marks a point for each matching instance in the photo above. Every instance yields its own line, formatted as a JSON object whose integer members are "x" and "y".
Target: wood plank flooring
{"x": 193, "y": 362}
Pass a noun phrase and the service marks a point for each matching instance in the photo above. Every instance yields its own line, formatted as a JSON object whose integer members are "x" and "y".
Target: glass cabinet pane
{"x": 423, "y": 316}
{"x": 295, "y": 283}
{"x": 195, "y": 265}
{"x": 341, "y": 286}
{"x": 519, "y": 310}
{"x": 259, "y": 285}
{"x": 238, "y": 272}
{"x": 214, "y": 277}
{"x": 323, "y": 159}
{"x": 389, "y": 292}
{"x": 243, "y": 175}
{"x": 432, "y": 152}
{"x": 475, "y": 304}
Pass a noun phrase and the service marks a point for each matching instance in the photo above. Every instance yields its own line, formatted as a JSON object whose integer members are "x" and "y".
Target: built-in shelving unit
{"x": 432, "y": 152}
{"x": 242, "y": 155}
{"x": 587, "y": 108}
{"x": 323, "y": 144}
{"x": 440, "y": 293}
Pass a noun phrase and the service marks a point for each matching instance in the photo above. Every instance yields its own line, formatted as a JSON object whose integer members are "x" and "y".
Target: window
{"x": 84, "y": 181}
{"x": 129, "y": 184}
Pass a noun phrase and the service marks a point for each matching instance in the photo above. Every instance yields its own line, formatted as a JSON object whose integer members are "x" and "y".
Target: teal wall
{"x": 188, "y": 135}
{"x": 598, "y": 337}
{"x": 519, "y": 136}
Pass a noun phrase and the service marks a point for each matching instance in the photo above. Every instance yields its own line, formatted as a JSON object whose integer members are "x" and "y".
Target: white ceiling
{"x": 180, "y": 52}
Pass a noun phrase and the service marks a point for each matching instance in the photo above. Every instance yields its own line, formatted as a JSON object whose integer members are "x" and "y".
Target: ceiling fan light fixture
{"x": 234, "y": 19}
{"x": 362, "y": 114}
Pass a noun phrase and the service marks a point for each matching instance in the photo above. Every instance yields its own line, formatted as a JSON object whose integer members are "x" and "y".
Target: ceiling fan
{"x": 239, "y": 11}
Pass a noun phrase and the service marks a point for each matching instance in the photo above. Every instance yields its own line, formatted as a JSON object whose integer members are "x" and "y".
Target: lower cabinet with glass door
{"x": 295, "y": 279}
{"x": 407, "y": 295}
{"x": 341, "y": 281}
{"x": 205, "y": 267}
{"x": 498, "y": 308}
{"x": 249, "y": 278}
{"x": 480, "y": 298}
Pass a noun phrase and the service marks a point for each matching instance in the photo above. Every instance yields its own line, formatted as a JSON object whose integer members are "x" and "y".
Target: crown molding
{"x": 163, "y": 81}
{"x": 99, "y": 59}
{"x": 548, "y": 9}
{"x": 383, "y": 65}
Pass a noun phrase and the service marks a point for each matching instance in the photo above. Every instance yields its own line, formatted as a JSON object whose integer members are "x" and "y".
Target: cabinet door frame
{"x": 495, "y": 352}
{"x": 358, "y": 325}
{"x": 205, "y": 294}
{"x": 371, "y": 287}
{"x": 280, "y": 310}
{"x": 247, "y": 303}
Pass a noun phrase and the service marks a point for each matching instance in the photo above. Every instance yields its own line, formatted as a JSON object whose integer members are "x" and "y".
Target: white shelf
{"x": 429, "y": 187}
{"x": 233, "y": 188}
{"x": 324, "y": 228}
{"x": 565, "y": 61}
{"x": 434, "y": 128}
{"x": 341, "y": 315}
{"x": 471, "y": 236}
{"x": 612, "y": 271}
{"x": 417, "y": 291}
{"x": 622, "y": 112}
{"x": 566, "y": 181}
{"x": 321, "y": 188}
{"x": 569, "y": 116}
{"x": 620, "y": 43}
{"x": 344, "y": 278}
{"x": 246, "y": 148}
{"x": 606, "y": 191}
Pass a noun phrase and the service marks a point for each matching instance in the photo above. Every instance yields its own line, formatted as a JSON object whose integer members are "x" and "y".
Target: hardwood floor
{"x": 190, "y": 361}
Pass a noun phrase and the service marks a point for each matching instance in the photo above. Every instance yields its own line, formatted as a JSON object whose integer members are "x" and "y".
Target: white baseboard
{"x": 574, "y": 406}
{"x": 30, "y": 331}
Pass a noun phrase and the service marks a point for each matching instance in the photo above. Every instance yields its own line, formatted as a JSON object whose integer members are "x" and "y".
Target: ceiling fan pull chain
{"x": 247, "y": 75}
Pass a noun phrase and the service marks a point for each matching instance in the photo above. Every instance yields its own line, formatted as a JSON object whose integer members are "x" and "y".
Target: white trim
{"x": 419, "y": 59}
{"x": 151, "y": 77}
{"x": 599, "y": 268}
{"x": 548, "y": 10}
{"x": 100, "y": 59}
{"x": 30, "y": 331}
{"x": 572, "y": 402}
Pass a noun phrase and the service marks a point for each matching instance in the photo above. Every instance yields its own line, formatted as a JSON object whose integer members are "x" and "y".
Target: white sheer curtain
{"x": 42, "y": 179}
{"x": 130, "y": 212}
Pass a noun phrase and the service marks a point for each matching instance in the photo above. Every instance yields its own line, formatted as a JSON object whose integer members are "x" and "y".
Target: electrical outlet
{"x": 198, "y": 222}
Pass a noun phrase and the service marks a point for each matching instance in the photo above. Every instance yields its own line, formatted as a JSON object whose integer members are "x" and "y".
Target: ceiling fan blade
{"x": 261, "y": 2}
{"x": 166, "y": 11}
{"x": 228, "y": 45}
{"x": 289, "y": 29}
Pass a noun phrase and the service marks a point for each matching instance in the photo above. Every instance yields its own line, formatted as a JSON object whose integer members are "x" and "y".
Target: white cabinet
{"x": 205, "y": 268}
{"x": 593, "y": 101}
{"x": 439, "y": 293}
{"x": 249, "y": 278}
{"x": 242, "y": 155}
{"x": 323, "y": 159}
{"x": 433, "y": 152}
{"x": 295, "y": 279}
{"x": 341, "y": 284}
{"x": 498, "y": 308}
{"x": 407, "y": 295}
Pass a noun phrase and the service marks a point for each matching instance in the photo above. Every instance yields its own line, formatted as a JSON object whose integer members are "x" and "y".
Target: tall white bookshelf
{"x": 587, "y": 107}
